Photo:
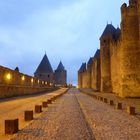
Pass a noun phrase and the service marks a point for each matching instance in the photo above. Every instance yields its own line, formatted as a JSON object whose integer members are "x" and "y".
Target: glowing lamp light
{"x": 8, "y": 76}
{"x": 23, "y": 78}
{"x": 46, "y": 83}
{"x": 42, "y": 82}
{"x": 38, "y": 81}
{"x": 32, "y": 80}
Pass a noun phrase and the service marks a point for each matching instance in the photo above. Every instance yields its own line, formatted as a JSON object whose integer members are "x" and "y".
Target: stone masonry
{"x": 118, "y": 68}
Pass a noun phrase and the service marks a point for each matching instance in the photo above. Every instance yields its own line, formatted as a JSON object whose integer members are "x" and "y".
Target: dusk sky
{"x": 67, "y": 30}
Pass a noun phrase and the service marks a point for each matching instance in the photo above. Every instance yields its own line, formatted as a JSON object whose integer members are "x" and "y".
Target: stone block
{"x": 38, "y": 108}
{"x": 131, "y": 110}
{"x": 95, "y": 97}
{"x": 101, "y": 98}
{"x": 44, "y": 104}
{"x": 11, "y": 126}
{"x": 119, "y": 106}
{"x": 53, "y": 98}
{"x": 111, "y": 102}
{"x": 105, "y": 100}
{"x": 28, "y": 115}
{"x": 49, "y": 101}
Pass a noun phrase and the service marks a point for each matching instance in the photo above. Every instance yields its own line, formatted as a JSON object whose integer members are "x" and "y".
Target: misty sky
{"x": 67, "y": 30}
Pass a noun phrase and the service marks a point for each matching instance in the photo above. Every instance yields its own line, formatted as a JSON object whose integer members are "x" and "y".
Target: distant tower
{"x": 89, "y": 69}
{"x": 80, "y": 75}
{"x": 17, "y": 69}
{"x": 45, "y": 71}
{"x": 96, "y": 71}
{"x": 108, "y": 35}
{"x": 60, "y": 75}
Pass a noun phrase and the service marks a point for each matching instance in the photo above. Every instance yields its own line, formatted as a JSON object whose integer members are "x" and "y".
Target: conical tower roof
{"x": 82, "y": 68}
{"x": 44, "y": 66}
{"x": 109, "y": 30}
{"x": 60, "y": 67}
{"x": 90, "y": 61}
{"x": 97, "y": 54}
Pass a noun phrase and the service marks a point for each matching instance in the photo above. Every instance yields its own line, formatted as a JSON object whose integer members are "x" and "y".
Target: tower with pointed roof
{"x": 60, "y": 75}
{"x": 106, "y": 38}
{"x": 44, "y": 71}
{"x": 89, "y": 70}
{"x": 116, "y": 67}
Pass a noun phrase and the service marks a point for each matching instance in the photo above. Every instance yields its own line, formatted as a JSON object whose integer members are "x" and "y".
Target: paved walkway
{"x": 77, "y": 116}
{"x": 14, "y": 108}
{"x": 126, "y": 101}
{"x": 107, "y": 123}
{"x": 64, "y": 120}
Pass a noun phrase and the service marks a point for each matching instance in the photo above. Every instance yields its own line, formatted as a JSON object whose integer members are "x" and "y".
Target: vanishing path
{"x": 64, "y": 120}
{"x": 108, "y": 123}
{"x": 77, "y": 116}
{"x": 14, "y": 108}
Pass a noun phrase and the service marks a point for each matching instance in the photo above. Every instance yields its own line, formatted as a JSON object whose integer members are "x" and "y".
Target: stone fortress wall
{"x": 117, "y": 67}
{"x": 13, "y": 83}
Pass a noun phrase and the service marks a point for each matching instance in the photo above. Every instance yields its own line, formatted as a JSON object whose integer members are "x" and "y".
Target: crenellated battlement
{"x": 118, "y": 65}
{"x": 129, "y": 10}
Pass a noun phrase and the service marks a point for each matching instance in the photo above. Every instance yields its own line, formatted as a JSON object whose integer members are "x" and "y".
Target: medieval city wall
{"x": 105, "y": 65}
{"x": 13, "y": 83}
{"x": 115, "y": 67}
{"x": 130, "y": 52}
{"x": 120, "y": 57}
{"x": 89, "y": 77}
{"x": 96, "y": 75}
{"x": 84, "y": 80}
{"x": 79, "y": 80}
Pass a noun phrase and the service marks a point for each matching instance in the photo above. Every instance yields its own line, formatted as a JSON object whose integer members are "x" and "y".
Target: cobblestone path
{"x": 14, "y": 108}
{"x": 64, "y": 120}
{"x": 77, "y": 116}
{"x": 106, "y": 122}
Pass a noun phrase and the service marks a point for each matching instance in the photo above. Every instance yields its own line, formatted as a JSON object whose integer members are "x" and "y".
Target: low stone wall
{"x": 14, "y": 83}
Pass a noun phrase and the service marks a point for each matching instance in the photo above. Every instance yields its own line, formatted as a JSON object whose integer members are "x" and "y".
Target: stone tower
{"x": 60, "y": 75}
{"x": 44, "y": 71}
{"x": 130, "y": 49}
{"x": 96, "y": 72}
{"x": 105, "y": 41}
{"x": 89, "y": 69}
{"x": 80, "y": 75}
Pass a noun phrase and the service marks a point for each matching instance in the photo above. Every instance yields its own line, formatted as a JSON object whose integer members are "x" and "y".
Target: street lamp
{"x": 8, "y": 76}
{"x": 32, "y": 80}
{"x": 23, "y": 78}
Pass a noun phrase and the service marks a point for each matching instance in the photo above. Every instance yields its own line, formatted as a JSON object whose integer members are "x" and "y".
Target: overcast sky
{"x": 67, "y": 30}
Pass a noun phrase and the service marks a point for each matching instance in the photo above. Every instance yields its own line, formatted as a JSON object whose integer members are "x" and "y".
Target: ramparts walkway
{"x": 77, "y": 116}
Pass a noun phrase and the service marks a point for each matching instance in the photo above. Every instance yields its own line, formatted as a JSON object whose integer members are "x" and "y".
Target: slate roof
{"x": 118, "y": 33}
{"x": 82, "y": 68}
{"x": 97, "y": 54}
{"x": 60, "y": 67}
{"x": 109, "y": 30}
{"x": 44, "y": 66}
{"x": 90, "y": 61}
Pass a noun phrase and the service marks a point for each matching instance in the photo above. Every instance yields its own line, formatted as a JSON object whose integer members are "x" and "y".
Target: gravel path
{"x": 106, "y": 122}
{"x": 64, "y": 120}
{"x": 15, "y": 107}
{"x": 77, "y": 116}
